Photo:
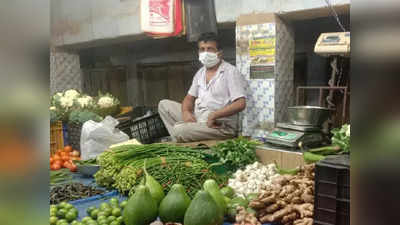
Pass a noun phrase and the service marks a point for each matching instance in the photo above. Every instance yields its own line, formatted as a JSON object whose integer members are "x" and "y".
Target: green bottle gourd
{"x": 174, "y": 205}
{"x": 141, "y": 208}
{"x": 212, "y": 187}
{"x": 203, "y": 210}
{"x": 155, "y": 188}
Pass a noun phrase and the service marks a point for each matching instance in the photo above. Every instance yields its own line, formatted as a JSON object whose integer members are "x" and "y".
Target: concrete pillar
{"x": 265, "y": 57}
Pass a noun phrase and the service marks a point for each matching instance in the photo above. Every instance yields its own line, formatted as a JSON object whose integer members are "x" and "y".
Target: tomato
{"x": 56, "y": 166}
{"x": 65, "y": 158}
{"x": 73, "y": 168}
{"x": 56, "y": 157}
{"x": 68, "y": 148}
{"x": 51, "y": 160}
{"x": 67, "y": 164}
{"x": 52, "y": 167}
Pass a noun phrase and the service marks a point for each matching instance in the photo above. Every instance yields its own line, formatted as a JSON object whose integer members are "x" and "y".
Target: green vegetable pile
{"x": 59, "y": 176}
{"x": 89, "y": 162}
{"x": 122, "y": 167}
{"x": 81, "y": 116}
{"x": 63, "y": 214}
{"x": 235, "y": 154}
{"x": 340, "y": 145}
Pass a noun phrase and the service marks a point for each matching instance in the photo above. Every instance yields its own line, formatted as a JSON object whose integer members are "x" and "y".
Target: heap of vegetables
{"x": 288, "y": 200}
{"x": 64, "y": 158}
{"x": 235, "y": 154}
{"x": 340, "y": 145}
{"x": 122, "y": 167}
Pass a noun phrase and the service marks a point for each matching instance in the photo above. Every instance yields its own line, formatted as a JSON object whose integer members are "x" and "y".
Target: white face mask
{"x": 209, "y": 59}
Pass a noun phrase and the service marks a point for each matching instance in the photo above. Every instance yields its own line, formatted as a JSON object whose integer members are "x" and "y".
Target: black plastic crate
{"x": 329, "y": 203}
{"x": 332, "y": 191}
{"x": 74, "y": 135}
{"x": 146, "y": 130}
{"x": 330, "y": 217}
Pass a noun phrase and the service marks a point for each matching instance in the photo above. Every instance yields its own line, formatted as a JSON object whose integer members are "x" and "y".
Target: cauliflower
{"x": 52, "y": 108}
{"x": 85, "y": 101}
{"x": 66, "y": 102}
{"x": 105, "y": 102}
{"x": 71, "y": 94}
{"x": 348, "y": 131}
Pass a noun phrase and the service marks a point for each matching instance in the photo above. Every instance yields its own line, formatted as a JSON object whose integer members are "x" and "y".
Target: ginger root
{"x": 304, "y": 221}
{"x": 245, "y": 218}
{"x": 288, "y": 200}
{"x": 272, "y": 208}
{"x": 255, "y": 204}
{"x": 289, "y": 218}
{"x": 277, "y": 215}
{"x": 305, "y": 210}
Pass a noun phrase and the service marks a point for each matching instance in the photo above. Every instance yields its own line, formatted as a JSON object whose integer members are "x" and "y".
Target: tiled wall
{"x": 267, "y": 99}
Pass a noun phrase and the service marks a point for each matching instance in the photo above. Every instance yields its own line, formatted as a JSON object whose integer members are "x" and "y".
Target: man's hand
{"x": 212, "y": 121}
{"x": 188, "y": 117}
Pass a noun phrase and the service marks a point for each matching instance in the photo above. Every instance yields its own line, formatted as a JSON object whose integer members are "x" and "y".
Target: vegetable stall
{"x": 162, "y": 183}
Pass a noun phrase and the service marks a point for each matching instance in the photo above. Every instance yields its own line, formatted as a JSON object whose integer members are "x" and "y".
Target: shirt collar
{"x": 220, "y": 71}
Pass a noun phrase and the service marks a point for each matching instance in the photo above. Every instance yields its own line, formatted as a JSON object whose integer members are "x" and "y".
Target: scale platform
{"x": 293, "y": 136}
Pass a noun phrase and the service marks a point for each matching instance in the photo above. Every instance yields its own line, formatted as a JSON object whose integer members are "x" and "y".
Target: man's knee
{"x": 181, "y": 132}
{"x": 163, "y": 105}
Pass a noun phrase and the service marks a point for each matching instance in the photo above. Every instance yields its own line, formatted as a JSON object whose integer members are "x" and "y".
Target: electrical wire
{"x": 335, "y": 15}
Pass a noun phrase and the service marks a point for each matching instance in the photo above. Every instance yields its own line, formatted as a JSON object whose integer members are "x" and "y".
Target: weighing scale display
{"x": 283, "y": 135}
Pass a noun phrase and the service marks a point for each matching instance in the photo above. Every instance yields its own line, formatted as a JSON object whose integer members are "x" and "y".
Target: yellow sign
{"x": 262, "y": 47}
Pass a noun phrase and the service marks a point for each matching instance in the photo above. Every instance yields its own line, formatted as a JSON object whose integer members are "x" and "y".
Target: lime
{"x": 68, "y": 206}
{"x": 62, "y": 205}
{"x": 103, "y": 221}
{"x": 111, "y": 219}
{"x": 115, "y": 222}
{"x": 53, "y": 207}
{"x": 74, "y": 210}
{"x": 61, "y": 213}
{"x": 75, "y": 222}
{"x": 53, "y": 212}
{"x": 94, "y": 213}
{"x": 107, "y": 212}
{"x": 116, "y": 212}
{"x": 90, "y": 209}
{"x": 104, "y": 205}
{"x": 53, "y": 220}
{"x": 101, "y": 216}
{"x": 70, "y": 216}
{"x": 86, "y": 219}
{"x": 114, "y": 200}
{"x": 120, "y": 219}
{"x": 92, "y": 223}
{"x": 123, "y": 204}
{"x": 60, "y": 222}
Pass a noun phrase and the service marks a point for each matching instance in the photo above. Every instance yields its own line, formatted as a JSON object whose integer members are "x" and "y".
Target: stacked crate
{"x": 332, "y": 191}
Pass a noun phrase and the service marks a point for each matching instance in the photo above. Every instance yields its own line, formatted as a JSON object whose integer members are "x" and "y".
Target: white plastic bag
{"x": 97, "y": 137}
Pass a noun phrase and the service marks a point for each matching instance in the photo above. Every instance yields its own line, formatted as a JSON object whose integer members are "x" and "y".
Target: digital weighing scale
{"x": 295, "y": 136}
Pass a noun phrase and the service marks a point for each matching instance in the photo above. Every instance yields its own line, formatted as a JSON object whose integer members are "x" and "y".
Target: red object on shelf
{"x": 159, "y": 17}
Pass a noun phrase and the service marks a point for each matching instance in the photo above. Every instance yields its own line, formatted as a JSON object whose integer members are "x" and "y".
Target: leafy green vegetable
{"x": 79, "y": 116}
{"x": 235, "y": 154}
{"x": 341, "y": 138}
